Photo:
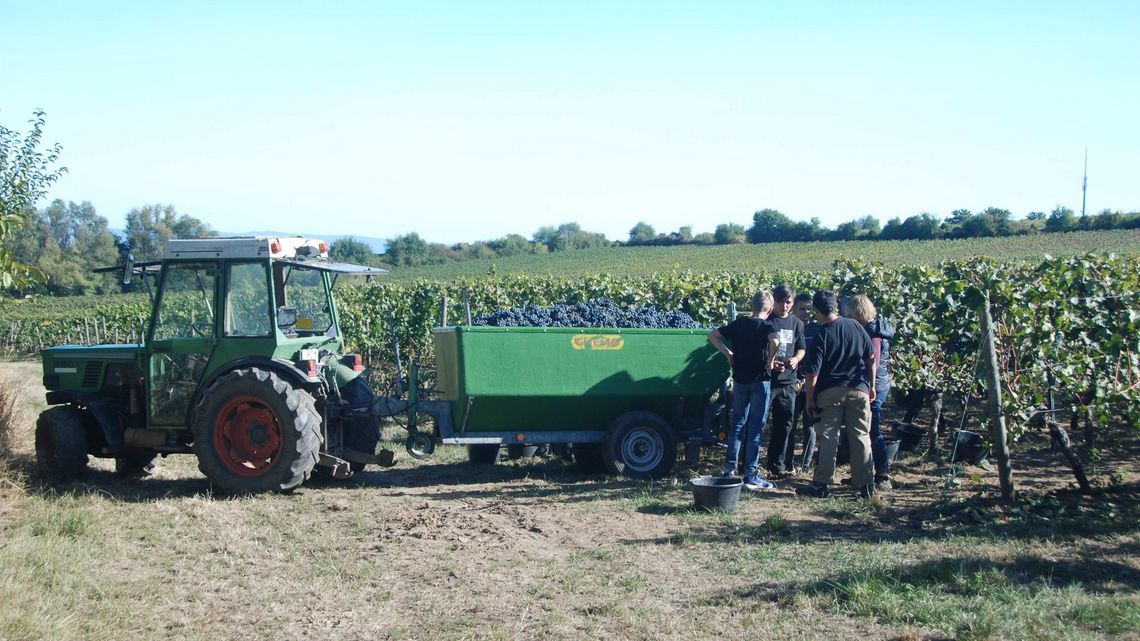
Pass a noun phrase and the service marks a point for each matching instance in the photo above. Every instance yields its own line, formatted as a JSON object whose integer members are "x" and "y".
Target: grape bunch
{"x": 598, "y": 312}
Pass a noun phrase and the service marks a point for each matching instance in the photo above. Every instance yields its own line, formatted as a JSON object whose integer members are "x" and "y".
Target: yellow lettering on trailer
{"x": 597, "y": 341}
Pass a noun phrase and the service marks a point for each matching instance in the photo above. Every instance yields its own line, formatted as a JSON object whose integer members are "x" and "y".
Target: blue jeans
{"x": 878, "y": 445}
{"x": 749, "y": 411}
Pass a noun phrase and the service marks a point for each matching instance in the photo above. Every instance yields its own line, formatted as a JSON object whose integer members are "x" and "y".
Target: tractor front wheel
{"x": 254, "y": 432}
{"x": 61, "y": 443}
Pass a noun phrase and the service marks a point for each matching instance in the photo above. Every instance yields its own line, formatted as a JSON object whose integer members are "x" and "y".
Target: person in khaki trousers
{"x": 840, "y": 387}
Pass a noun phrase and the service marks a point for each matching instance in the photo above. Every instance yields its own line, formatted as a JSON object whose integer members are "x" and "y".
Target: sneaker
{"x": 867, "y": 491}
{"x": 729, "y": 472}
{"x": 817, "y": 490}
{"x": 883, "y": 484}
{"x": 754, "y": 482}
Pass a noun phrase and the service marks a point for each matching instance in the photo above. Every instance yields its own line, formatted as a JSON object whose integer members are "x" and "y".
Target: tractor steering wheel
{"x": 201, "y": 329}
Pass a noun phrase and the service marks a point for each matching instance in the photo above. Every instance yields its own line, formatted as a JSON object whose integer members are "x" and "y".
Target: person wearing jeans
{"x": 840, "y": 389}
{"x": 749, "y": 407}
{"x": 750, "y": 358}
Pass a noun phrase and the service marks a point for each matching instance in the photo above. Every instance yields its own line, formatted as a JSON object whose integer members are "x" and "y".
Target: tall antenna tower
{"x": 1085, "y": 183}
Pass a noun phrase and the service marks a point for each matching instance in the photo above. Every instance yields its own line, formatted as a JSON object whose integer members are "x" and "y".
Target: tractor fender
{"x": 104, "y": 423}
{"x": 285, "y": 368}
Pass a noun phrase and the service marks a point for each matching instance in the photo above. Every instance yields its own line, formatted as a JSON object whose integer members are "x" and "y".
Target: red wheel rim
{"x": 247, "y": 436}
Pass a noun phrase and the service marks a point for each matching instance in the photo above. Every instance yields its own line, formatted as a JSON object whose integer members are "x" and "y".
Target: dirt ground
{"x": 535, "y": 549}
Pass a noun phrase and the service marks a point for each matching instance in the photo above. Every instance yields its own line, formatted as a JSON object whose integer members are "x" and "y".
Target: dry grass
{"x": 528, "y": 550}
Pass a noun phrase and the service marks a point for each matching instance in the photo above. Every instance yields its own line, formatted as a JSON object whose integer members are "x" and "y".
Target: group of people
{"x": 798, "y": 359}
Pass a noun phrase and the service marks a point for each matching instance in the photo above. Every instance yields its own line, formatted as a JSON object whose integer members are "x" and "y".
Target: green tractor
{"x": 242, "y": 364}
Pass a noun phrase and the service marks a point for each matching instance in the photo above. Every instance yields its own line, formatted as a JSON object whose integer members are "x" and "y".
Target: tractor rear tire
{"x": 640, "y": 445}
{"x": 135, "y": 463}
{"x": 255, "y": 432}
{"x": 61, "y": 443}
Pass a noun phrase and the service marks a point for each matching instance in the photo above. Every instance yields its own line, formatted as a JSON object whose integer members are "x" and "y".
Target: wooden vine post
{"x": 997, "y": 418}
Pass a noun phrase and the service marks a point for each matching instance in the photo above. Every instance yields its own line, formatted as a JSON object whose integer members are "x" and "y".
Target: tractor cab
{"x": 225, "y": 302}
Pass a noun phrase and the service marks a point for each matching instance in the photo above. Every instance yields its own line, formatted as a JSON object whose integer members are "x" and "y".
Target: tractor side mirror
{"x": 128, "y": 269}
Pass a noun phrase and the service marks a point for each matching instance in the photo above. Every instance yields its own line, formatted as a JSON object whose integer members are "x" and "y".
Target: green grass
{"x": 744, "y": 258}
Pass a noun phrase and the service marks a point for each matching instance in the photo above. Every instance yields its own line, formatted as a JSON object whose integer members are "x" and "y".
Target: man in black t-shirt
{"x": 750, "y": 357}
{"x": 840, "y": 388}
{"x": 789, "y": 334}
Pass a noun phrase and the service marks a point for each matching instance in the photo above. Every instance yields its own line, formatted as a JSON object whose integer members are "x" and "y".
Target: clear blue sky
{"x": 470, "y": 120}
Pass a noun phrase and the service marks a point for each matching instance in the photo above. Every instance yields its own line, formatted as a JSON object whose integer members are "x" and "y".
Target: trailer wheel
{"x": 639, "y": 445}
{"x": 61, "y": 443}
{"x": 254, "y": 432}
{"x": 483, "y": 454}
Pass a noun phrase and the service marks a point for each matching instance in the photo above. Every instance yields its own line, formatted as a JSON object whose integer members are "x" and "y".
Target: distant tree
{"x": 686, "y": 233}
{"x": 805, "y": 231}
{"x": 958, "y": 216}
{"x": 511, "y": 245}
{"x": 769, "y": 226}
{"x": 869, "y": 226}
{"x": 26, "y": 173}
{"x": 709, "y": 238}
{"x": 1000, "y": 220}
{"x": 569, "y": 236}
{"x": 846, "y": 231}
{"x": 642, "y": 234}
{"x": 66, "y": 241}
{"x": 729, "y": 234}
{"x": 545, "y": 235}
{"x": 893, "y": 230}
{"x": 150, "y": 226}
{"x": 1061, "y": 219}
{"x": 976, "y": 227}
{"x": 1107, "y": 219}
{"x": 408, "y": 250}
{"x": 1035, "y": 215}
{"x": 350, "y": 250}
{"x": 923, "y": 226}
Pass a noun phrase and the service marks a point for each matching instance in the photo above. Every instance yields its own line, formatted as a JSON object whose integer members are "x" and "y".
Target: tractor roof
{"x": 304, "y": 252}
{"x": 246, "y": 247}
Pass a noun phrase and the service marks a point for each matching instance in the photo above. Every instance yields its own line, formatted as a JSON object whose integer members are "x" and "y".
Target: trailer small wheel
{"x": 483, "y": 454}
{"x": 61, "y": 443}
{"x": 639, "y": 445}
{"x": 419, "y": 445}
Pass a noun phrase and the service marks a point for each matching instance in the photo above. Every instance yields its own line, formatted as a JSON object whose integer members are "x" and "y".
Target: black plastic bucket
{"x": 909, "y": 436}
{"x": 714, "y": 493}
{"x": 969, "y": 447}
{"x": 892, "y": 447}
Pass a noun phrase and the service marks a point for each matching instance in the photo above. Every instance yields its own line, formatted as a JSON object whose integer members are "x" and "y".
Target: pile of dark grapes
{"x": 598, "y": 312}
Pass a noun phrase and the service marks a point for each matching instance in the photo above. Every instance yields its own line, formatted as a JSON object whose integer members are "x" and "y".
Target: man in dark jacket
{"x": 840, "y": 388}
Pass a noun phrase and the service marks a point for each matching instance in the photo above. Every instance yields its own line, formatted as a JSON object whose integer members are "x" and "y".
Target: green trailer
{"x": 627, "y": 398}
